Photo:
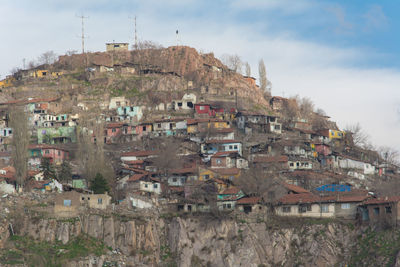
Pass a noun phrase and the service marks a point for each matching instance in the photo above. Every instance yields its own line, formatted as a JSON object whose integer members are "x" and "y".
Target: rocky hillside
{"x": 195, "y": 241}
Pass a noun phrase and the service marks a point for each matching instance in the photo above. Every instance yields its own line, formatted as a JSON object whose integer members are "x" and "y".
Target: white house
{"x": 150, "y": 186}
{"x": 187, "y": 102}
{"x": 347, "y": 163}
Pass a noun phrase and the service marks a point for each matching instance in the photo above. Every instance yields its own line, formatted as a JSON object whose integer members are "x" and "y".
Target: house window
{"x": 47, "y": 151}
{"x": 59, "y": 153}
{"x": 219, "y": 161}
{"x": 67, "y": 202}
{"x": 230, "y": 147}
{"x": 286, "y": 209}
{"x": 145, "y": 186}
{"x": 345, "y": 206}
{"x": 235, "y": 147}
{"x": 388, "y": 209}
{"x": 324, "y": 208}
{"x": 83, "y": 198}
{"x": 174, "y": 180}
{"x": 376, "y": 211}
{"x": 291, "y": 164}
{"x": 144, "y": 128}
{"x": 206, "y": 176}
{"x": 99, "y": 201}
{"x": 159, "y": 125}
{"x": 155, "y": 186}
{"x": 201, "y": 107}
{"x": 302, "y": 208}
{"x": 179, "y": 104}
{"x": 114, "y": 130}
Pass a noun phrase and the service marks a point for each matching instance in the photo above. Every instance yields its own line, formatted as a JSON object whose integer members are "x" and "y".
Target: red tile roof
{"x": 299, "y": 198}
{"x": 295, "y": 188}
{"x": 115, "y": 125}
{"x": 382, "y": 200}
{"x": 249, "y": 200}
{"x": 136, "y": 177}
{"x": 231, "y": 191}
{"x": 222, "y": 154}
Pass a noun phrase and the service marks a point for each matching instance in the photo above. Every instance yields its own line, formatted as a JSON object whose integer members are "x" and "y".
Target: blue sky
{"x": 344, "y": 55}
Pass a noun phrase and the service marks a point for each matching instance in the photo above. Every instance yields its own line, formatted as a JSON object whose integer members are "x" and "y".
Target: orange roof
{"x": 249, "y": 200}
{"x": 295, "y": 188}
{"x": 264, "y": 159}
{"x": 222, "y": 154}
{"x": 299, "y": 198}
{"x": 382, "y": 200}
{"x": 115, "y": 125}
{"x": 341, "y": 198}
{"x": 136, "y": 177}
{"x": 230, "y": 191}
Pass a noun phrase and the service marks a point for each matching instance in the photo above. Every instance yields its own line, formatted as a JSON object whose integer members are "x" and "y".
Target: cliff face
{"x": 197, "y": 241}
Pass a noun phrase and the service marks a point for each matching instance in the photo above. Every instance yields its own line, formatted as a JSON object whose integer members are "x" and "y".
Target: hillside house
{"x": 111, "y": 47}
{"x": 322, "y": 149}
{"x": 55, "y": 154}
{"x": 56, "y": 135}
{"x": 332, "y": 134}
{"x": 186, "y": 103}
{"x": 144, "y": 128}
{"x": 227, "y": 199}
{"x": 6, "y": 132}
{"x": 300, "y": 164}
{"x": 119, "y": 101}
{"x": 384, "y": 211}
{"x": 151, "y": 186}
{"x": 164, "y": 127}
{"x": 251, "y": 205}
{"x": 262, "y": 123}
{"x": 277, "y": 102}
{"x": 202, "y": 109}
{"x": 228, "y": 159}
{"x": 130, "y": 113}
{"x": 344, "y": 162}
{"x": 214, "y": 146}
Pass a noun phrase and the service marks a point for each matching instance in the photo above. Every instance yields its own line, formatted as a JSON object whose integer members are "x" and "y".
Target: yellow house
{"x": 222, "y": 173}
{"x": 205, "y": 174}
{"x": 57, "y": 73}
{"x": 334, "y": 134}
{"x": 195, "y": 125}
{"x": 40, "y": 73}
{"x": 7, "y": 82}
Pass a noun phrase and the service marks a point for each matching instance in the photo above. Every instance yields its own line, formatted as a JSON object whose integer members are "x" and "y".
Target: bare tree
{"x": 306, "y": 107}
{"x": 233, "y": 62}
{"x": 248, "y": 69}
{"x": 167, "y": 158}
{"x": 146, "y": 44}
{"x": 265, "y": 84}
{"x": 91, "y": 147}
{"x": 255, "y": 182}
{"x": 389, "y": 155}
{"x": 71, "y": 52}
{"x": 360, "y": 137}
{"x": 48, "y": 57}
{"x": 20, "y": 143}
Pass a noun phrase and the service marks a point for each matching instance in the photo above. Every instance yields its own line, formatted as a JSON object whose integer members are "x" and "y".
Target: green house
{"x": 57, "y": 135}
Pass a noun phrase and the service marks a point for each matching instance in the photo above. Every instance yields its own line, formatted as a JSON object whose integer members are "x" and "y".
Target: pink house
{"x": 55, "y": 154}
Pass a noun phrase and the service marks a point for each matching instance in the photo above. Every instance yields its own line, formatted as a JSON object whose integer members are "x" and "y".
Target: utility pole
{"x": 82, "y": 17}
{"x": 135, "y": 29}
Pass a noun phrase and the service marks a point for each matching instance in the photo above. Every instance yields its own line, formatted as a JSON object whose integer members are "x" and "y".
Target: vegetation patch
{"x": 24, "y": 249}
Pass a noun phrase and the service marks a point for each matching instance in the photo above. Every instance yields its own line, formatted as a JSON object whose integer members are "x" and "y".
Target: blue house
{"x": 130, "y": 113}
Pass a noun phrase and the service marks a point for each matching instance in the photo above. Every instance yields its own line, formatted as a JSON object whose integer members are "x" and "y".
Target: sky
{"x": 343, "y": 55}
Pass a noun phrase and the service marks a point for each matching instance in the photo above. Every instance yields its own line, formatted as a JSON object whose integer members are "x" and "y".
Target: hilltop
{"x": 119, "y": 140}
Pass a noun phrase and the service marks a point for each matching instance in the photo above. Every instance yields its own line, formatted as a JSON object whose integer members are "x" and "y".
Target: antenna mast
{"x": 135, "y": 30}
{"x": 83, "y": 32}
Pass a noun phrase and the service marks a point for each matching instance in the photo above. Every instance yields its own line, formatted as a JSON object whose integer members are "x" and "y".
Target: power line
{"x": 82, "y": 17}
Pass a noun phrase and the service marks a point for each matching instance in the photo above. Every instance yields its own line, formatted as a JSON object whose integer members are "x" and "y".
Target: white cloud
{"x": 324, "y": 73}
